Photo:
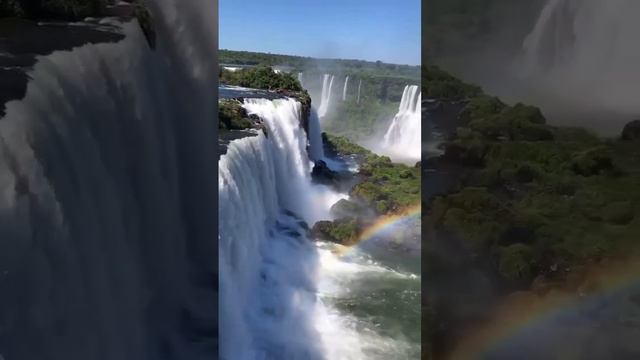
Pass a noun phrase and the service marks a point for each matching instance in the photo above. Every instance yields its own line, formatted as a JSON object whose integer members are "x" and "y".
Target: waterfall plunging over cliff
{"x": 106, "y": 171}
{"x": 300, "y": 79}
{"x": 268, "y": 265}
{"x": 327, "y": 84}
{"x": 402, "y": 140}
{"x": 344, "y": 90}
{"x": 587, "y": 49}
{"x": 359, "y": 87}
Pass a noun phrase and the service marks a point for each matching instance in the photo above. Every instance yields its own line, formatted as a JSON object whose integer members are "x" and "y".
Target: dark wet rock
{"x": 322, "y": 174}
{"x": 142, "y": 13}
{"x": 631, "y": 131}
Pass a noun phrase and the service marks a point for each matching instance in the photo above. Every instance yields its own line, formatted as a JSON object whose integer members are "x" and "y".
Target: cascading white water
{"x": 316, "y": 148}
{"x": 327, "y": 84}
{"x": 268, "y": 267}
{"x": 300, "y": 79}
{"x": 106, "y": 168}
{"x": 359, "y": 87}
{"x": 587, "y": 50}
{"x": 402, "y": 140}
{"x": 344, "y": 90}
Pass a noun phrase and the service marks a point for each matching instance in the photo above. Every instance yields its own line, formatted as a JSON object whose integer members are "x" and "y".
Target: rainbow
{"x": 385, "y": 225}
{"x": 527, "y": 311}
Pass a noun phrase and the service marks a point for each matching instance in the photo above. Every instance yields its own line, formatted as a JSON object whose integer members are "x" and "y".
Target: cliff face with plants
{"x": 381, "y": 188}
{"x": 531, "y": 208}
{"x": 234, "y": 117}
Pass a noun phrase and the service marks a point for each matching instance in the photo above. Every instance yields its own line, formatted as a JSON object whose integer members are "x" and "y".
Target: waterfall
{"x": 316, "y": 148}
{"x": 344, "y": 91}
{"x": 300, "y": 79}
{"x": 587, "y": 49}
{"x": 106, "y": 236}
{"x": 359, "y": 87}
{"x": 402, "y": 140}
{"x": 268, "y": 267}
{"x": 327, "y": 84}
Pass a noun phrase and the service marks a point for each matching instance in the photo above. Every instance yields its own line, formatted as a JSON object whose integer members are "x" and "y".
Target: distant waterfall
{"x": 359, "y": 87}
{"x": 268, "y": 302}
{"x": 344, "y": 90}
{"x": 588, "y": 49}
{"x": 327, "y": 84}
{"x": 300, "y": 79}
{"x": 316, "y": 150}
{"x": 402, "y": 140}
{"x": 106, "y": 173}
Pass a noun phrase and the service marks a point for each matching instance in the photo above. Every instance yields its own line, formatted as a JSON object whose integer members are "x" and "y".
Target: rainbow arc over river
{"x": 387, "y": 225}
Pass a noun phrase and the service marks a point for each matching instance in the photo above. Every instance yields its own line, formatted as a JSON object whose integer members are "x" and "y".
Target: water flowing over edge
{"x": 586, "y": 50}
{"x": 325, "y": 102}
{"x": 274, "y": 281}
{"x": 106, "y": 184}
{"x": 403, "y": 139}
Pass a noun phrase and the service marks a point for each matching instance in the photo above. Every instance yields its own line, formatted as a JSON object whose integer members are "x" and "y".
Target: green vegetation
{"x": 534, "y": 196}
{"x": 438, "y": 84}
{"x": 381, "y": 87}
{"x": 260, "y": 77}
{"x": 533, "y": 206}
{"x": 232, "y": 116}
{"x": 359, "y": 121}
{"x": 343, "y": 231}
{"x": 300, "y": 63}
{"x": 385, "y": 188}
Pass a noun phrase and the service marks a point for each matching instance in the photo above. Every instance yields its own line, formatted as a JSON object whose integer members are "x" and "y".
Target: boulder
{"x": 322, "y": 174}
{"x": 631, "y": 131}
{"x": 342, "y": 231}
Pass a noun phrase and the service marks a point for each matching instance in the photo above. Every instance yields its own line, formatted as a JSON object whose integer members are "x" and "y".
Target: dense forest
{"x": 300, "y": 63}
{"x": 532, "y": 207}
{"x": 260, "y": 77}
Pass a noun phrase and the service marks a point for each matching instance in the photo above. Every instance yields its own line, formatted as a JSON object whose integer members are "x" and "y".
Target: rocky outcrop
{"x": 341, "y": 231}
{"x": 233, "y": 116}
{"x": 631, "y": 131}
{"x": 322, "y": 174}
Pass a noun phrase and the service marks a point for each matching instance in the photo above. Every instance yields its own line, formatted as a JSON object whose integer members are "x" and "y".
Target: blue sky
{"x": 386, "y": 30}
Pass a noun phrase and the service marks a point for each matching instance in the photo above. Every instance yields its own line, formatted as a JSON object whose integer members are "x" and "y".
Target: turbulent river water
{"x": 284, "y": 296}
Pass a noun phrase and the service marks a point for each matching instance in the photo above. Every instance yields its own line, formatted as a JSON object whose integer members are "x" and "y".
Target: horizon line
{"x": 319, "y": 58}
